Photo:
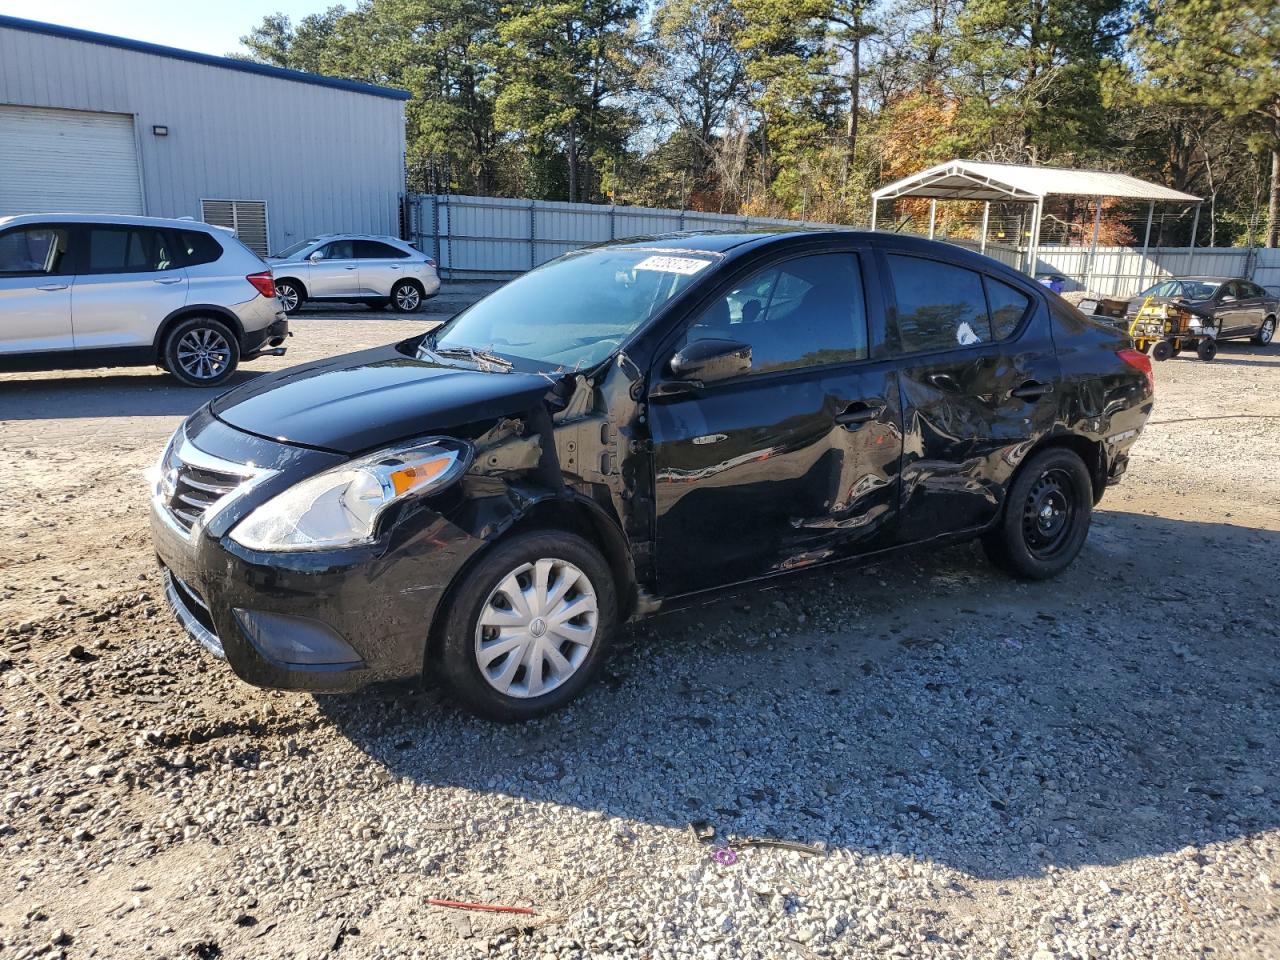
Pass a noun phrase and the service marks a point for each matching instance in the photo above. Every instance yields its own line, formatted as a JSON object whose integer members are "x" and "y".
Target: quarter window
{"x": 33, "y": 250}
{"x": 804, "y": 312}
{"x": 1008, "y": 307}
{"x": 940, "y": 306}
{"x": 196, "y": 248}
{"x": 127, "y": 250}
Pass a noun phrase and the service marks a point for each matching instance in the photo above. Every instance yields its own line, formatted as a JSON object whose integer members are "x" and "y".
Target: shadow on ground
{"x": 140, "y": 393}
{"x": 924, "y": 705}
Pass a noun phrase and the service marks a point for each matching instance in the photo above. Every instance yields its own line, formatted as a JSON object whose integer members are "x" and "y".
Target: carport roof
{"x": 975, "y": 180}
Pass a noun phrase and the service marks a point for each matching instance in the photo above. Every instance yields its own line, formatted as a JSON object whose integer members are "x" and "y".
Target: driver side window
{"x": 805, "y": 312}
{"x": 337, "y": 250}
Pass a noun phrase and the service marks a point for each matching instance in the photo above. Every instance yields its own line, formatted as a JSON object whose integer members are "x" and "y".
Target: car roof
{"x": 1204, "y": 279}
{"x": 354, "y": 236}
{"x": 185, "y": 223}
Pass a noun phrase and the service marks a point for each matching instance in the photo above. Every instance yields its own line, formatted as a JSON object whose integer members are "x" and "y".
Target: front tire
{"x": 1046, "y": 516}
{"x": 529, "y": 626}
{"x": 1161, "y": 350}
{"x": 201, "y": 352}
{"x": 291, "y": 295}
{"x": 406, "y": 297}
{"x": 1265, "y": 333}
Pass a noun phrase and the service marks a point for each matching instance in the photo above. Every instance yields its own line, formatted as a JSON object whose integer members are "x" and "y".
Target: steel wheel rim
{"x": 288, "y": 297}
{"x": 1048, "y": 515}
{"x": 407, "y": 297}
{"x": 536, "y": 628}
{"x": 1268, "y": 330}
{"x": 203, "y": 353}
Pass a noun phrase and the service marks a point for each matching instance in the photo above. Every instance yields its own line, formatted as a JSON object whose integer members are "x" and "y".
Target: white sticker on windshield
{"x": 685, "y": 265}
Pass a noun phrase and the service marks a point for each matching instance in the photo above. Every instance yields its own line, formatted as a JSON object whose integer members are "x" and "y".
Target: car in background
{"x": 379, "y": 271}
{"x": 80, "y": 291}
{"x": 1229, "y": 308}
{"x": 623, "y": 430}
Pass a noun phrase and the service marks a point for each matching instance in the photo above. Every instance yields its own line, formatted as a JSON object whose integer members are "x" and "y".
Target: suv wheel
{"x": 291, "y": 296}
{"x": 528, "y": 627}
{"x": 1046, "y": 516}
{"x": 406, "y": 297}
{"x": 201, "y": 352}
{"x": 1265, "y": 332}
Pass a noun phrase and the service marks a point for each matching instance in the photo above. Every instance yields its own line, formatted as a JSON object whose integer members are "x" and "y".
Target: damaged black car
{"x": 622, "y": 430}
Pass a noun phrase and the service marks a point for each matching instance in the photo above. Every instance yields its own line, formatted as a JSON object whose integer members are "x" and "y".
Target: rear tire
{"x": 291, "y": 294}
{"x": 1161, "y": 350}
{"x": 1265, "y": 333}
{"x": 1046, "y": 516}
{"x": 511, "y": 600}
{"x": 1206, "y": 350}
{"x": 406, "y": 297}
{"x": 201, "y": 352}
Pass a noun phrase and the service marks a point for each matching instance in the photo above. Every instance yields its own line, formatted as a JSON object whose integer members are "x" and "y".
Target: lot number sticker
{"x": 685, "y": 265}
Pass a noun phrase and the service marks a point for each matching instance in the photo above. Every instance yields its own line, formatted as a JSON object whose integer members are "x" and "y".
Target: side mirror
{"x": 706, "y": 361}
{"x": 316, "y": 257}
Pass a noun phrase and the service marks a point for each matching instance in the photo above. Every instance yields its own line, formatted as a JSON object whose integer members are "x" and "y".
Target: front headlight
{"x": 340, "y": 507}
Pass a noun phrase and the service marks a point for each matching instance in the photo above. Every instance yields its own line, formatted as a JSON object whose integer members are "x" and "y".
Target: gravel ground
{"x": 917, "y": 759}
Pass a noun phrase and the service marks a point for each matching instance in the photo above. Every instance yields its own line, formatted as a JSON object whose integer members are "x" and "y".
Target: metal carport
{"x": 973, "y": 180}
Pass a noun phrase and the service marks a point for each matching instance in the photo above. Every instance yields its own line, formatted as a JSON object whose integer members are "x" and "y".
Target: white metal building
{"x": 91, "y": 123}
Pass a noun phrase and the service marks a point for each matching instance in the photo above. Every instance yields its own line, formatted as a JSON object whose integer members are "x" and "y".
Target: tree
{"x": 1224, "y": 56}
{"x": 278, "y": 42}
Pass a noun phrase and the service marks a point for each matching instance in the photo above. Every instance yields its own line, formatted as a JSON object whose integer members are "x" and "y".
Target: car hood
{"x": 364, "y": 400}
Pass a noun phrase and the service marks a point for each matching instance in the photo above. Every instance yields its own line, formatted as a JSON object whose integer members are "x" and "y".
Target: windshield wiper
{"x": 480, "y": 357}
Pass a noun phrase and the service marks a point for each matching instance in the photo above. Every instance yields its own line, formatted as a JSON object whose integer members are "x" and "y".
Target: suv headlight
{"x": 341, "y": 506}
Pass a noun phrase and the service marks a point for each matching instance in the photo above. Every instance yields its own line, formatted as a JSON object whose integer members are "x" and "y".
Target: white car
{"x": 80, "y": 291}
{"x": 379, "y": 271}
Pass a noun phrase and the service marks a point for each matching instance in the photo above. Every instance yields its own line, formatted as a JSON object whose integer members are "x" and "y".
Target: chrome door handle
{"x": 166, "y": 279}
{"x": 860, "y": 412}
{"x": 52, "y": 286}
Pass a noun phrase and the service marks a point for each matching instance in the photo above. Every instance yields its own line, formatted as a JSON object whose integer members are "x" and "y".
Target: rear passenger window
{"x": 196, "y": 248}
{"x": 127, "y": 250}
{"x": 940, "y": 306}
{"x": 804, "y": 312}
{"x": 1008, "y": 307}
{"x": 373, "y": 250}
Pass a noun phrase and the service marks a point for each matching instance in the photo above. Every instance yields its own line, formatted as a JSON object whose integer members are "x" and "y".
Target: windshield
{"x": 576, "y": 310}
{"x": 298, "y": 247}
{"x": 1186, "y": 289}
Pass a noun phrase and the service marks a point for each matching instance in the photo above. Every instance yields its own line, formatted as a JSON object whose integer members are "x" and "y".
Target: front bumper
{"x": 321, "y": 621}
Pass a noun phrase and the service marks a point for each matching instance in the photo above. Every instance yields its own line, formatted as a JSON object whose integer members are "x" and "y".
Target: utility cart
{"x": 1166, "y": 329}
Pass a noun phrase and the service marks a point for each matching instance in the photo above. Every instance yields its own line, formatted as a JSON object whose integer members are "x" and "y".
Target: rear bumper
{"x": 256, "y": 342}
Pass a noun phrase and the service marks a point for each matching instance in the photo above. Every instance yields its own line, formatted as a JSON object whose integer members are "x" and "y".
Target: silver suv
{"x": 81, "y": 291}
{"x": 379, "y": 271}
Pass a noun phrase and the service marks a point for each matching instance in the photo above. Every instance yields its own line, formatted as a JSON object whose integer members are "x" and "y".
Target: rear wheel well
{"x": 186, "y": 313}
{"x": 1090, "y": 451}
{"x": 301, "y": 287}
{"x": 569, "y": 516}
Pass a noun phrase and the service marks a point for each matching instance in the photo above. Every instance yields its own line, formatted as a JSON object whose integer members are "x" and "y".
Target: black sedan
{"x": 629, "y": 428}
{"x": 1229, "y": 308}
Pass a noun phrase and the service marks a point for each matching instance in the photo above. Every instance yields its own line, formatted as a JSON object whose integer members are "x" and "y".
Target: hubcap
{"x": 203, "y": 353}
{"x": 407, "y": 297}
{"x": 1048, "y": 513}
{"x": 536, "y": 628}
{"x": 1268, "y": 330}
{"x": 288, "y": 297}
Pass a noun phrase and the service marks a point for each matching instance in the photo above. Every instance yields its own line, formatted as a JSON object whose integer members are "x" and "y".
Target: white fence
{"x": 499, "y": 237}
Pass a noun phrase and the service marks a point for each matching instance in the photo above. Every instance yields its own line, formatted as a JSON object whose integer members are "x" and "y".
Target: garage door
{"x": 67, "y": 161}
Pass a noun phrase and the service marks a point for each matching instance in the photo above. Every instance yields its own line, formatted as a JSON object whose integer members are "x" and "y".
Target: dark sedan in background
{"x": 1238, "y": 308}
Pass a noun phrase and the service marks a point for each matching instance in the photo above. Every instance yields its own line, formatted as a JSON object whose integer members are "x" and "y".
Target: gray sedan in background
{"x": 1238, "y": 308}
{"x": 379, "y": 271}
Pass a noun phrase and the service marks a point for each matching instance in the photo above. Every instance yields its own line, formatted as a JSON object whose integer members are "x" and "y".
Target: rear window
{"x": 196, "y": 248}
{"x": 127, "y": 250}
{"x": 940, "y": 306}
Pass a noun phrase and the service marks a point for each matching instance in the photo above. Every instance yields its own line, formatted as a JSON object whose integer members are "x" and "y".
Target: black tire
{"x": 406, "y": 297}
{"x": 198, "y": 345}
{"x": 462, "y": 636}
{"x": 1265, "y": 333}
{"x": 1206, "y": 350}
{"x": 1030, "y": 543}
{"x": 1161, "y": 350}
{"x": 292, "y": 294}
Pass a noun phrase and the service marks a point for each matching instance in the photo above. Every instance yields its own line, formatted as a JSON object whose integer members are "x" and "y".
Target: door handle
{"x": 52, "y": 286}
{"x": 166, "y": 279}
{"x": 858, "y": 413}
{"x": 1031, "y": 390}
{"x": 350, "y": 268}
{"x": 944, "y": 381}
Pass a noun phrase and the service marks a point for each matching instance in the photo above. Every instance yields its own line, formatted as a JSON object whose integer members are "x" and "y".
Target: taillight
{"x": 263, "y": 283}
{"x": 431, "y": 262}
{"x": 1139, "y": 361}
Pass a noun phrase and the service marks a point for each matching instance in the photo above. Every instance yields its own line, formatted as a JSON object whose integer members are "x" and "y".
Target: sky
{"x": 209, "y": 26}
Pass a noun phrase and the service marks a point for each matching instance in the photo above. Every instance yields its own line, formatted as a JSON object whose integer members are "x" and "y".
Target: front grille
{"x": 192, "y": 481}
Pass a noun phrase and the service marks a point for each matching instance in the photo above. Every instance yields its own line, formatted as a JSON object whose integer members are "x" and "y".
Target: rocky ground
{"x": 916, "y": 759}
